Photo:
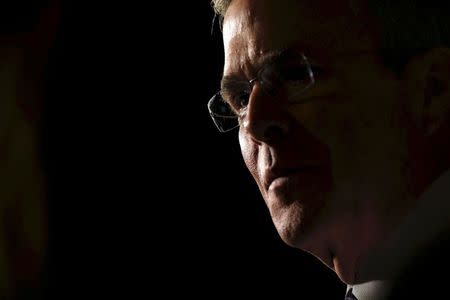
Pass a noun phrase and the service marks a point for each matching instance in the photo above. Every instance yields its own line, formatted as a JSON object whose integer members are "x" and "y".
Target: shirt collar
{"x": 376, "y": 289}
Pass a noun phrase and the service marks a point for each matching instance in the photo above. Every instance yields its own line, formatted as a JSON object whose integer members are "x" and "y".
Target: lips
{"x": 285, "y": 173}
{"x": 302, "y": 185}
{"x": 297, "y": 192}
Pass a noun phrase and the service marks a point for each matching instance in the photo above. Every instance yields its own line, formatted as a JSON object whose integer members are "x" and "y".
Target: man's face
{"x": 332, "y": 170}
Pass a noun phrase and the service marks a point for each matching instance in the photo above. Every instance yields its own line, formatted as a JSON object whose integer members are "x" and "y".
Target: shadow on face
{"x": 334, "y": 167}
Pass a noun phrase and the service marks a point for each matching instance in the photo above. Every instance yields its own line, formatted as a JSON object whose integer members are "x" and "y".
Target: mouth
{"x": 301, "y": 185}
{"x": 276, "y": 177}
{"x": 295, "y": 198}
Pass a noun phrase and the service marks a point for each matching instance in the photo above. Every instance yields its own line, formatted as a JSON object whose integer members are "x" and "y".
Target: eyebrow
{"x": 233, "y": 81}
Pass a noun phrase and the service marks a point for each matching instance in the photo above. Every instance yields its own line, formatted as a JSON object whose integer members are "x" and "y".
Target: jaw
{"x": 333, "y": 253}
{"x": 344, "y": 241}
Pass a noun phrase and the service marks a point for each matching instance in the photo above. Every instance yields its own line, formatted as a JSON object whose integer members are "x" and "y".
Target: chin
{"x": 289, "y": 231}
{"x": 314, "y": 237}
{"x": 289, "y": 222}
{"x": 290, "y": 238}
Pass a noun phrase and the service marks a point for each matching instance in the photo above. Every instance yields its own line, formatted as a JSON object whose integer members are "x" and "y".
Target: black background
{"x": 146, "y": 196}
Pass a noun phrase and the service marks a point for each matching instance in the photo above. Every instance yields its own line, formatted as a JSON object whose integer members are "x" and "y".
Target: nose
{"x": 265, "y": 119}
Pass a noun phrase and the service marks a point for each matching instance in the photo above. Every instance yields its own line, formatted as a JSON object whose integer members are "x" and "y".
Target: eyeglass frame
{"x": 251, "y": 83}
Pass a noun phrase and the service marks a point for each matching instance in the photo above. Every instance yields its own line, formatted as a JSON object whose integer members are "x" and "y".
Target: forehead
{"x": 254, "y": 27}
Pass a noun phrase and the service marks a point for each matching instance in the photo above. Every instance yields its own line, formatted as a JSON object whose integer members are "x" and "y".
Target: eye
{"x": 299, "y": 74}
{"x": 239, "y": 101}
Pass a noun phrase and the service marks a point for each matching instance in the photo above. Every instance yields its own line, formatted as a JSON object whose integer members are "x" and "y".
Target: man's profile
{"x": 343, "y": 114}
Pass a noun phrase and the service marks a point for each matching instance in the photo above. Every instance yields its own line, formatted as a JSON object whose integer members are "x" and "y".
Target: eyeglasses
{"x": 287, "y": 71}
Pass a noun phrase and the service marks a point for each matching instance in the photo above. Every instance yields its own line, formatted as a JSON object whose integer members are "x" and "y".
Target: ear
{"x": 428, "y": 78}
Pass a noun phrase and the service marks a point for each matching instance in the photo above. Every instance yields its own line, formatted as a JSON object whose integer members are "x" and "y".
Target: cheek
{"x": 249, "y": 153}
{"x": 355, "y": 127}
{"x": 329, "y": 120}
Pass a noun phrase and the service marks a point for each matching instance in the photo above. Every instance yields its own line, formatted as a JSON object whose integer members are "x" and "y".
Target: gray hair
{"x": 220, "y": 6}
{"x": 408, "y": 27}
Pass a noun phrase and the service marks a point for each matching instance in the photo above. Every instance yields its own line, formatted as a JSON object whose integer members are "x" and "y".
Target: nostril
{"x": 275, "y": 131}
